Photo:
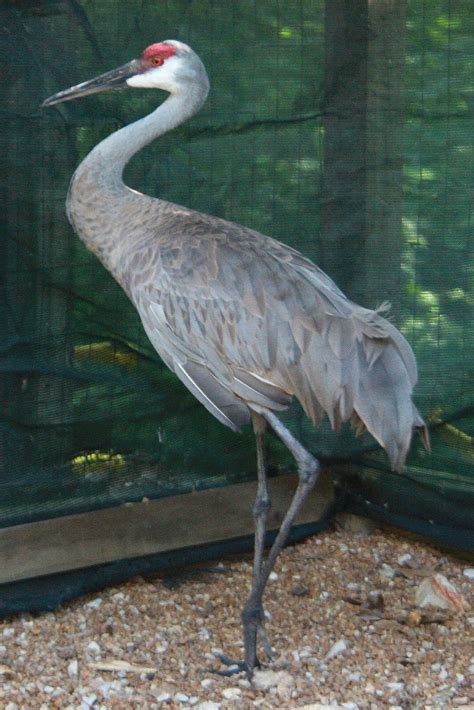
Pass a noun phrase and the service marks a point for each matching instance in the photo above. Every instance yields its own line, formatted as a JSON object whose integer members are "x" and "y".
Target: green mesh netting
{"x": 344, "y": 129}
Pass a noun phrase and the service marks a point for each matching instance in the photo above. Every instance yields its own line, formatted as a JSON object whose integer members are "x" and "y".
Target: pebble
{"x": 181, "y": 697}
{"x": 208, "y": 705}
{"x": 337, "y": 648}
{"x": 163, "y": 697}
{"x": 397, "y": 685}
{"x": 438, "y": 592}
{"x": 231, "y": 693}
{"x": 94, "y": 648}
{"x": 468, "y": 572}
{"x": 73, "y": 669}
{"x": 95, "y": 603}
{"x": 273, "y": 576}
{"x": 281, "y": 680}
{"x": 404, "y": 559}
{"x": 387, "y": 571}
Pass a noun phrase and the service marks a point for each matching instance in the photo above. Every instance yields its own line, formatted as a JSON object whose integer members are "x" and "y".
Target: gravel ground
{"x": 341, "y": 617}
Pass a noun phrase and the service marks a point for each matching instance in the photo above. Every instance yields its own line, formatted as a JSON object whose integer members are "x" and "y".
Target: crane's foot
{"x": 253, "y": 623}
{"x": 233, "y": 667}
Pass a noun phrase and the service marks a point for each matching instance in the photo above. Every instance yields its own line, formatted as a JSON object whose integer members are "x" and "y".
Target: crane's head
{"x": 170, "y": 65}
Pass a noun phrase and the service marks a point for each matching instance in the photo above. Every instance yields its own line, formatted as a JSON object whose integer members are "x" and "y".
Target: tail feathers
{"x": 363, "y": 369}
{"x": 383, "y": 402}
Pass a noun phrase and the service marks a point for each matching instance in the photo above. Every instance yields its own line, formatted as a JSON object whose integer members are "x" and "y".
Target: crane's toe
{"x": 254, "y": 630}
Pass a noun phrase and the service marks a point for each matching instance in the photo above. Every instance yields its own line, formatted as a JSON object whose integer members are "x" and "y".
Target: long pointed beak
{"x": 115, "y": 79}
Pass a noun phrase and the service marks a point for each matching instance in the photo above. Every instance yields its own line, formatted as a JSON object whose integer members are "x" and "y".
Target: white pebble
{"x": 355, "y": 677}
{"x": 468, "y": 572}
{"x": 207, "y": 682}
{"x": 73, "y": 669}
{"x": 163, "y": 697}
{"x": 93, "y": 647}
{"x": 208, "y": 705}
{"x": 181, "y": 698}
{"x": 95, "y": 603}
{"x": 396, "y": 685}
{"x": 8, "y": 633}
{"x": 337, "y": 648}
{"x": 387, "y": 571}
{"x": 353, "y": 587}
{"x": 231, "y": 693}
{"x": 11, "y": 706}
{"x": 403, "y": 559}
{"x": 273, "y": 576}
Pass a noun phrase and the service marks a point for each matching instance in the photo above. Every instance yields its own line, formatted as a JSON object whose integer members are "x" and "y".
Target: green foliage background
{"x": 79, "y": 374}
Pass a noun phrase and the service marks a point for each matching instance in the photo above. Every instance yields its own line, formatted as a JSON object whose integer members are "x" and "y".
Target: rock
{"x": 94, "y": 648}
{"x": 208, "y": 705}
{"x": 396, "y": 685}
{"x": 375, "y": 600}
{"x": 468, "y": 572}
{"x": 273, "y": 576}
{"x": 355, "y": 677}
{"x": 414, "y": 618}
{"x": 95, "y": 603}
{"x": 73, "y": 669}
{"x": 231, "y": 693}
{"x": 181, "y": 697}
{"x": 163, "y": 697}
{"x": 436, "y": 591}
{"x": 281, "y": 680}
{"x": 336, "y": 649}
{"x": 405, "y": 560}
{"x": 387, "y": 571}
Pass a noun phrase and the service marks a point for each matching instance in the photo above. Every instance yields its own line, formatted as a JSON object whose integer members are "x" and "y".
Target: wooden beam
{"x": 138, "y": 529}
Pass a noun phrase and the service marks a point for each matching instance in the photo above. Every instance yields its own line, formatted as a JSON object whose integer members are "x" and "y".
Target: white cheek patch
{"x": 158, "y": 78}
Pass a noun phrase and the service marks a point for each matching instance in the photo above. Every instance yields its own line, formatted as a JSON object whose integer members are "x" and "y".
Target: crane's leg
{"x": 262, "y": 501}
{"x": 260, "y": 513}
{"x": 261, "y": 509}
{"x": 308, "y": 471}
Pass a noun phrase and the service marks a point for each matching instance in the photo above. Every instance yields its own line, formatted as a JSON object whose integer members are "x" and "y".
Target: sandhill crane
{"x": 246, "y": 323}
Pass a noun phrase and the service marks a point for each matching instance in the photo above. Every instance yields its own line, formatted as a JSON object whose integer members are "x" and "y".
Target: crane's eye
{"x": 157, "y": 61}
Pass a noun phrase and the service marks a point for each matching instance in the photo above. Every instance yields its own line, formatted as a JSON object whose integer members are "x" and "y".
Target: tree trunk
{"x": 362, "y": 185}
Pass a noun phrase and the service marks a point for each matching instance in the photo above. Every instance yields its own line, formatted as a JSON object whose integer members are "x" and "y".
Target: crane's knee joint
{"x": 309, "y": 471}
{"x": 261, "y": 505}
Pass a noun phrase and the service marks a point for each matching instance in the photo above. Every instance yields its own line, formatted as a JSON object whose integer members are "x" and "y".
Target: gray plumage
{"x": 245, "y": 322}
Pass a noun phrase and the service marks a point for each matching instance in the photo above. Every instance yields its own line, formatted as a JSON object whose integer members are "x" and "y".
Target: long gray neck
{"x": 108, "y": 216}
{"x": 108, "y": 159}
